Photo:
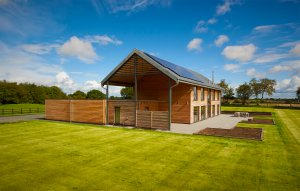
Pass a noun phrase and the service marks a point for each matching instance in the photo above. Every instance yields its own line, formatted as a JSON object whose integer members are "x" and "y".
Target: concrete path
{"x": 8, "y": 119}
{"x": 222, "y": 121}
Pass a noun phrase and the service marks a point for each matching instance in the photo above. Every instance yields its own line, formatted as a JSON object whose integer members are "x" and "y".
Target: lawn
{"x": 21, "y": 109}
{"x": 44, "y": 155}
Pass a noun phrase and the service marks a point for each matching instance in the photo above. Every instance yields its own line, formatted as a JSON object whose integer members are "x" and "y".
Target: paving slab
{"x": 222, "y": 121}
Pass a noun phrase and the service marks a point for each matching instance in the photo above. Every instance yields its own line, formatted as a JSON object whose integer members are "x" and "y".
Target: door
{"x": 117, "y": 115}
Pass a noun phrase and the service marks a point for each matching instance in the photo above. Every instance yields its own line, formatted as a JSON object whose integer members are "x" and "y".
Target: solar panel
{"x": 179, "y": 70}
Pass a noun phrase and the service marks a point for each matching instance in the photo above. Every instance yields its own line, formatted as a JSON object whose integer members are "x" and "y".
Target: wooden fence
{"x": 84, "y": 111}
{"x": 153, "y": 119}
{"x": 17, "y": 111}
{"x": 93, "y": 111}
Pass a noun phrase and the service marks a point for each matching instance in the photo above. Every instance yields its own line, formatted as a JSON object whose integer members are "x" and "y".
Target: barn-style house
{"x": 164, "y": 93}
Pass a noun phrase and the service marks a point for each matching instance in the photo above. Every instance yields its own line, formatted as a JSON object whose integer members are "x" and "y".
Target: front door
{"x": 117, "y": 115}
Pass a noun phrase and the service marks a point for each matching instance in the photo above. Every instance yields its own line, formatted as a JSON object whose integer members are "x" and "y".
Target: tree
{"x": 267, "y": 86}
{"x": 244, "y": 92}
{"x": 256, "y": 87}
{"x": 298, "y": 93}
{"x": 227, "y": 91}
{"x": 95, "y": 94}
{"x": 78, "y": 95}
{"x": 127, "y": 93}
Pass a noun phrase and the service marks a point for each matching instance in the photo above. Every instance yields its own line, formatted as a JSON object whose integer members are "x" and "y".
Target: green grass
{"x": 15, "y": 109}
{"x": 43, "y": 155}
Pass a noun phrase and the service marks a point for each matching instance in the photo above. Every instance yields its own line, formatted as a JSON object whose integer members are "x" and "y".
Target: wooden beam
{"x": 135, "y": 88}
{"x": 107, "y": 86}
{"x": 170, "y": 105}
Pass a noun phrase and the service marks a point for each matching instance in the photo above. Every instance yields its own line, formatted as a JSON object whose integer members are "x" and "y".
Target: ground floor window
{"x": 203, "y": 116}
{"x": 208, "y": 111}
{"x": 196, "y": 114}
{"x": 218, "y": 109}
{"x": 213, "y": 110}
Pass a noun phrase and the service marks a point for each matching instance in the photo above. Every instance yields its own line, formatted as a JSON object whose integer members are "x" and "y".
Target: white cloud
{"x": 195, "y": 44}
{"x": 269, "y": 58}
{"x": 80, "y": 49}
{"x": 128, "y": 6}
{"x": 212, "y": 21}
{"x": 231, "y": 67}
{"x": 201, "y": 27}
{"x": 265, "y": 28}
{"x": 251, "y": 72}
{"x": 293, "y": 66}
{"x": 296, "y": 49}
{"x": 225, "y": 7}
{"x": 288, "y": 85}
{"x": 221, "y": 40}
{"x": 38, "y": 48}
{"x": 103, "y": 40}
{"x": 240, "y": 53}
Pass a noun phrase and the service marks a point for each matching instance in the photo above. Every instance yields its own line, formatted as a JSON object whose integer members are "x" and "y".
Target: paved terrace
{"x": 222, "y": 121}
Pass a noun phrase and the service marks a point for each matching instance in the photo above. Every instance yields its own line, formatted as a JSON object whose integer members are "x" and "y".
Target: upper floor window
{"x": 202, "y": 94}
{"x": 195, "y": 93}
{"x": 213, "y": 95}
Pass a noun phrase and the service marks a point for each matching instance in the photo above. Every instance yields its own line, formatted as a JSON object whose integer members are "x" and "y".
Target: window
{"x": 218, "y": 109}
{"x": 203, "y": 116}
{"x": 196, "y": 114}
{"x": 208, "y": 95}
{"x": 218, "y": 96}
{"x": 202, "y": 94}
{"x": 195, "y": 93}
{"x": 213, "y": 95}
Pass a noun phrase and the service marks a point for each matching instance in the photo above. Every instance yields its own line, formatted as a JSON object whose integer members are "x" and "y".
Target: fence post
{"x": 150, "y": 119}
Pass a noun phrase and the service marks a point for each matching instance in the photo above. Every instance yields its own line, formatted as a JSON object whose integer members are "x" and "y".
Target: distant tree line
{"x": 14, "y": 93}
{"x": 255, "y": 87}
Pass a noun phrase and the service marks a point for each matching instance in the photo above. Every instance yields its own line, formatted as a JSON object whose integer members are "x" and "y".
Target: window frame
{"x": 195, "y": 93}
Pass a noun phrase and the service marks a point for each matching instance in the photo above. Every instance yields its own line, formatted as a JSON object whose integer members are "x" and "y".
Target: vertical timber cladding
{"x": 85, "y": 111}
{"x": 57, "y": 110}
{"x": 127, "y": 111}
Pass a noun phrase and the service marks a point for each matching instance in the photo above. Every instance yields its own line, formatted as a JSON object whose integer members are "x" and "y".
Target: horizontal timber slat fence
{"x": 83, "y": 111}
{"x": 94, "y": 111}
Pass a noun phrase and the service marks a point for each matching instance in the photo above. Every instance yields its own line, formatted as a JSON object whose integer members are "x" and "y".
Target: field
{"x": 21, "y": 109}
{"x": 44, "y": 155}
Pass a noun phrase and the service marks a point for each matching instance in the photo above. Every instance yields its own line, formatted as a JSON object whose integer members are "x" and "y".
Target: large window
{"x": 203, "y": 116}
{"x": 202, "y": 94}
{"x": 196, "y": 114}
{"x": 213, "y": 95}
{"x": 218, "y": 109}
{"x": 195, "y": 93}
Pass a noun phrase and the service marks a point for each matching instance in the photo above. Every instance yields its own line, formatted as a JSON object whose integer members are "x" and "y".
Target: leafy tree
{"x": 256, "y": 87}
{"x": 267, "y": 86}
{"x": 227, "y": 91}
{"x": 95, "y": 94}
{"x": 298, "y": 93}
{"x": 127, "y": 93}
{"x": 78, "y": 95}
{"x": 244, "y": 92}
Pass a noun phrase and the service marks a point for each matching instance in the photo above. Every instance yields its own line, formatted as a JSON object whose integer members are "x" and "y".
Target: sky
{"x": 75, "y": 44}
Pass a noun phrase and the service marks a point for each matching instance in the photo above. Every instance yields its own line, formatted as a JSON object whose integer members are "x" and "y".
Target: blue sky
{"x": 74, "y": 44}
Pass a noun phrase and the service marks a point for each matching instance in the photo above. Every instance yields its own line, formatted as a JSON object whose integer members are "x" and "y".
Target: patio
{"x": 222, "y": 121}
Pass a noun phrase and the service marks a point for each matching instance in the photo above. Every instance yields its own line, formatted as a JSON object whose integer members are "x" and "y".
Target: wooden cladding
{"x": 127, "y": 112}
{"x": 152, "y": 119}
{"x": 84, "y": 111}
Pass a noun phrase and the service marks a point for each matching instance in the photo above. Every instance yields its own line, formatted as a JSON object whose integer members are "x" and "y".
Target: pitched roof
{"x": 176, "y": 72}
